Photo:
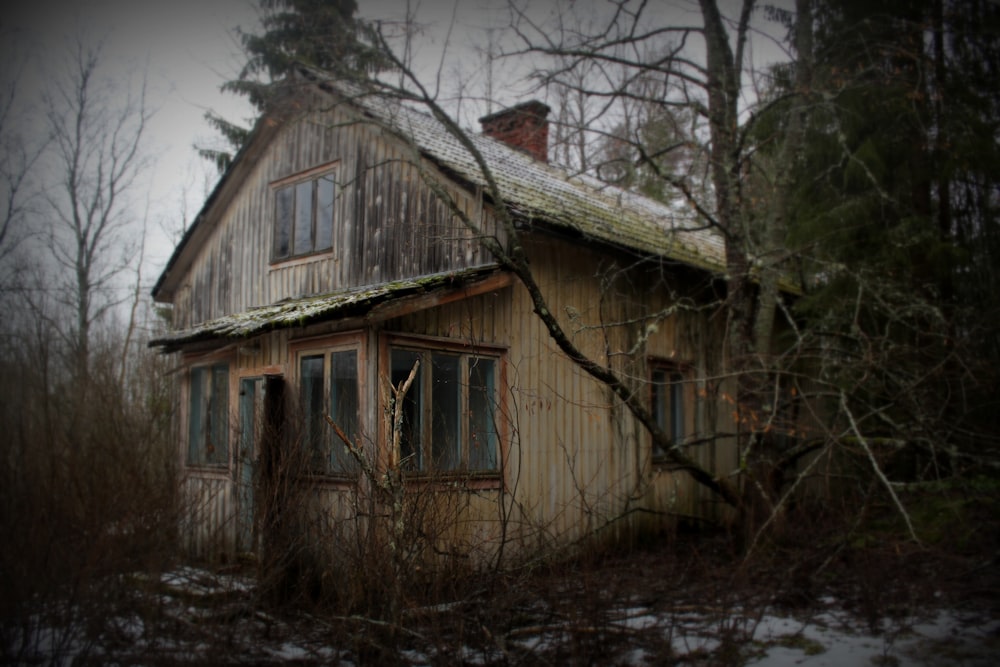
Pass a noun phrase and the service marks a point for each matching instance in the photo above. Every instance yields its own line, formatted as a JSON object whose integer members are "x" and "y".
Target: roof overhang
{"x": 353, "y": 307}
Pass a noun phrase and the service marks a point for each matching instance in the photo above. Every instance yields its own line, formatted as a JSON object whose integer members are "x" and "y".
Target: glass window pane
{"x": 446, "y": 395}
{"x": 311, "y": 398}
{"x": 344, "y": 405}
{"x": 482, "y": 415}
{"x": 303, "y": 217}
{"x": 196, "y": 418}
{"x": 677, "y": 407}
{"x": 324, "y": 212}
{"x": 284, "y": 206}
{"x": 218, "y": 449}
{"x": 659, "y": 398}
{"x": 402, "y": 362}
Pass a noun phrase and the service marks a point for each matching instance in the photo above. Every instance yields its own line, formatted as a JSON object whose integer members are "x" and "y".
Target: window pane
{"x": 482, "y": 416}
{"x": 344, "y": 405}
{"x": 668, "y": 404}
{"x": 311, "y": 397}
{"x": 677, "y": 407}
{"x": 218, "y": 449}
{"x": 284, "y": 206}
{"x": 446, "y": 394}
{"x": 659, "y": 399}
{"x": 658, "y": 404}
{"x": 324, "y": 212}
{"x": 196, "y": 416}
{"x": 410, "y": 441}
{"x": 303, "y": 217}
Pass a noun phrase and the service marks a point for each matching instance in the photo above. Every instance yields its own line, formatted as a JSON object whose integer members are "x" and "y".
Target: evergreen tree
{"x": 895, "y": 206}
{"x": 321, "y": 34}
{"x": 324, "y": 34}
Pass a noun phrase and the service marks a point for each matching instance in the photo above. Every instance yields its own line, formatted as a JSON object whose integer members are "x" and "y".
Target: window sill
{"x": 297, "y": 260}
{"x": 455, "y": 480}
{"x": 208, "y": 468}
{"x": 441, "y": 482}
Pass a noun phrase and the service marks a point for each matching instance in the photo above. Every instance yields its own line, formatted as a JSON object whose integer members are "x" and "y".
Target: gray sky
{"x": 189, "y": 48}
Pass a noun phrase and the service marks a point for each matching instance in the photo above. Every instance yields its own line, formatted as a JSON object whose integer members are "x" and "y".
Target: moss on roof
{"x": 306, "y": 310}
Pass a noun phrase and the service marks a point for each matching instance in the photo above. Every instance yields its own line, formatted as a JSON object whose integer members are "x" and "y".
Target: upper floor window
{"x": 208, "y": 415}
{"x": 303, "y": 216}
{"x": 668, "y": 403}
{"x": 449, "y": 412}
{"x": 328, "y": 386}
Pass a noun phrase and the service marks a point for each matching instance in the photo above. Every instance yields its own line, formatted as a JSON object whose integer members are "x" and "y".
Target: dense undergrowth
{"x": 683, "y": 598}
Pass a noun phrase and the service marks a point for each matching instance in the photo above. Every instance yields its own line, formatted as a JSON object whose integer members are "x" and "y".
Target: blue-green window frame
{"x": 208, "y": 415}
{"x": 330, "y": 386}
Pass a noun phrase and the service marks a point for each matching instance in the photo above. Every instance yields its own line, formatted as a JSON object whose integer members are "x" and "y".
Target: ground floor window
{"x": 449, "y": 413}
{"x": 669, "y": 389}
{"x": 208, "y": 415}
{"x": 328, "y": 386}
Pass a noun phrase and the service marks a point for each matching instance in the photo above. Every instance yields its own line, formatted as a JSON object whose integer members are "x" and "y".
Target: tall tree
{"x": 18, "y": 158}
{"x": 701, "y": 69}
{"x": 891, "y": 204}
{"x": 317, "y": 33}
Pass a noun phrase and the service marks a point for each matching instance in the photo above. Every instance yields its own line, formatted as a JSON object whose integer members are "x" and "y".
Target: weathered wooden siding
{"x": 209, "y": 514}
{"x": 586, "y": 462}
{"x": 387, "y": 224}
{"x": 576, "y": 460}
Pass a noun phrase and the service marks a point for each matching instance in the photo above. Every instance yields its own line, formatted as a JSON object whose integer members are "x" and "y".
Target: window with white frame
{"x": 328, "y": 386}
{"x": 303, "y": 216}
{"x": 449, "y": 413}
{"x": 208, "y": 415}
{"x": 669, "y": 389}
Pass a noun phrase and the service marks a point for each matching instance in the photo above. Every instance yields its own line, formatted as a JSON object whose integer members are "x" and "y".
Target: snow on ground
{"x": 945, "y": 637}
{"x": 825, "y": 635}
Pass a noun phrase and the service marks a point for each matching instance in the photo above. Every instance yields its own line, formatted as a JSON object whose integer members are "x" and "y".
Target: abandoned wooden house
{"x": 324, "y": 266}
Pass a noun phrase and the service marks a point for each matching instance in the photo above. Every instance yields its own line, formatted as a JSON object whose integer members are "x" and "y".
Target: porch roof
{"x": 360, "y": 302}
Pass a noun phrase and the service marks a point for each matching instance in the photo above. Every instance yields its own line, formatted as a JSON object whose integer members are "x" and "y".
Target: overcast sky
{"x": 188, "y": 48}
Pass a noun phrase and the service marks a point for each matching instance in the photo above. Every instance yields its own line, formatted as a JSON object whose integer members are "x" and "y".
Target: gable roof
{"x": 537, "y": 193}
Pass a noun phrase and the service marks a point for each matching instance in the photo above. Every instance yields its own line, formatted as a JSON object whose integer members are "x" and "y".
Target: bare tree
{"x": 97, "y": 129}
{"x": 666, "y": 69}
{"x": 18, "y": 157}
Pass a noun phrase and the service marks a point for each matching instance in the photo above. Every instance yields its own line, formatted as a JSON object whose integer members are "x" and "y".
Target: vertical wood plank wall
{"x": 388, "y": 225}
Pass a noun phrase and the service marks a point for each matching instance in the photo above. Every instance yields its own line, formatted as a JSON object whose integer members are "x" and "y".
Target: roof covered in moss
{"x": 354, "y": 301}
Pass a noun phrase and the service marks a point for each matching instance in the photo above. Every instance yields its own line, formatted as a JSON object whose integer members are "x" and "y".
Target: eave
{"x": 354, "y": 306}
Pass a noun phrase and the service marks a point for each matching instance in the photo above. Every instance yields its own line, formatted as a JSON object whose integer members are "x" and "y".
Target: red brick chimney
{"x": 522, "y": 126}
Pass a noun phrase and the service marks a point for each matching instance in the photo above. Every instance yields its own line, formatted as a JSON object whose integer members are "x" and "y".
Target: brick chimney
{"x": 522, "y": 126}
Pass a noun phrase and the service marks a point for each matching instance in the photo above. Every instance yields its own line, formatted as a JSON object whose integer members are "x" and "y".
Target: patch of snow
{"x": 943, "y": 640}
